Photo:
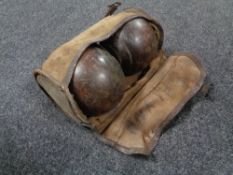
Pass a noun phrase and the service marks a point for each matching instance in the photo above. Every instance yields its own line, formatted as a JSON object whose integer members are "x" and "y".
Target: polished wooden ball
{"x": 134, "y": 45}
{"x": 97, "y": 82}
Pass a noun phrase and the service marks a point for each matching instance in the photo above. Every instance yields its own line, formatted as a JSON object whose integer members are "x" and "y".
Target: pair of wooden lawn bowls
{"x": 98, "y": 80}
{"x": 115, "y": 79}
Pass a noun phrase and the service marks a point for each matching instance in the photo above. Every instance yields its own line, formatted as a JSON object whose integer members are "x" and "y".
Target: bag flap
{"x": 137, "y": 128}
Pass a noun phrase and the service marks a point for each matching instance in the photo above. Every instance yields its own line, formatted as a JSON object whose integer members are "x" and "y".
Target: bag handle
{"x": 112, "y": 8}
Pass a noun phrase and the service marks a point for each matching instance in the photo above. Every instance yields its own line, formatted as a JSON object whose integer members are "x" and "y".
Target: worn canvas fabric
{"x": 135, "y": 124}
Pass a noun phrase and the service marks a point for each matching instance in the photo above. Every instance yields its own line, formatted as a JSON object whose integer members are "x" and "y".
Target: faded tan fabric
{"x": 138, "y": 126}
{"x": 150, "y": 101}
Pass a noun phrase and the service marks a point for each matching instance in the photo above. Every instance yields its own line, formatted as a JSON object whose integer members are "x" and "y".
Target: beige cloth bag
{"x": 135, "y": 124}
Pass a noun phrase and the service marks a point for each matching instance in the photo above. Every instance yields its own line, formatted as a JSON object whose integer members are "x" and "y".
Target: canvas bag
{"x": 156, "y": 96}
